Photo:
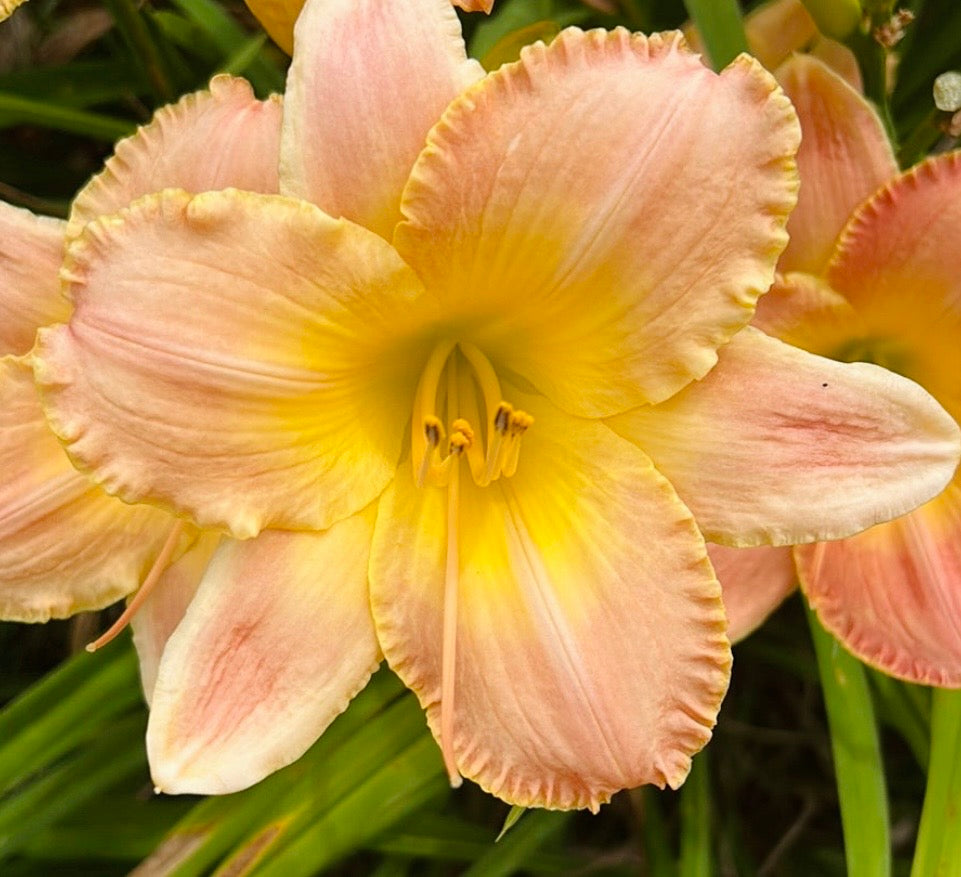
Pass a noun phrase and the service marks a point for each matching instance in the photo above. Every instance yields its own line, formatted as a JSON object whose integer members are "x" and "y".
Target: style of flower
{"x": 403, "y": 375}
{"x": 872, "y": 273}
{"x": 65, "y": 545}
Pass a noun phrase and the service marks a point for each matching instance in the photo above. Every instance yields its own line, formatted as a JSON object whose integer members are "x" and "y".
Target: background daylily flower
{"x": 65, "y": 545}
{"x": 425, "y": 387}
{"x": 7, "y": 7}
{"x": 279, "y": 16}
{"x": 872, "y": 273}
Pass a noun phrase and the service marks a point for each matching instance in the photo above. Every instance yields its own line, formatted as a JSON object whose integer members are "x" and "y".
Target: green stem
{"x": 857, "y": 756}
{"x": 142, "y": 47}
{"x": 938, "y": 851}
{"x": 720, "y": 25}
{"x": 696, "y": 859}
{"x": 919, "y": 142}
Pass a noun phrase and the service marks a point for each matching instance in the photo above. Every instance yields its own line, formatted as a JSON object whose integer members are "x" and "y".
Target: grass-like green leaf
{"x": 721, "y": 27}
{"x": 857, "y": 756}
{"x": 938, "y": 850}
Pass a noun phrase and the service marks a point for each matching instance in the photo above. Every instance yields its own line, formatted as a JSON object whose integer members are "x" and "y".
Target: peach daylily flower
{"x": 8, "y": 7}
{"x": 873, "y": 273}
{"x": 279, "y": 16}
{"x": 415, "y": 358}
{"x": 65, "y": 545}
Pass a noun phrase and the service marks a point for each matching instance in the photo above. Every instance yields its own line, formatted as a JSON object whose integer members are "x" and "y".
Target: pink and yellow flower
{"x": 401, "y": 377}
{"x": 65, "y": 545}
{"x": 872, "y": 273}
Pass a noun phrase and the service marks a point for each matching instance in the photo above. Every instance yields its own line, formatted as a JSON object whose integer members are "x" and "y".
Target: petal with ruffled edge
{"x": 368, "y": 81}
{"x": 591, "y": 653}
{"x": 65, "y": 545}
{"x": 31, "y": 250}
{"x": 274, "y": 645}
{"x": 754, "y": 582}
{"x": 166, "y": 606}
{"x": 803, "y": 310}
{"x": 892, "y": 595}
{"x": 778, "y": 446}
{"x": 604, "y": 213}
{"x": 844, "y": 158}
{"x": 898, "y": 264}
{"x": 7, "y": 7}
{"x": 234, "y": 356}
{"x": 215, "y": 139}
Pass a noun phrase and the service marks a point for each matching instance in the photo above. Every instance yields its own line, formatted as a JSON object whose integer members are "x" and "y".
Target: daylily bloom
{"x": 872, "y": 273}
{"x": 278, "y": 16}
{"x": 7, "y": 7}
{"x": 414, "y": 362}
{"x": 65, "y": 545}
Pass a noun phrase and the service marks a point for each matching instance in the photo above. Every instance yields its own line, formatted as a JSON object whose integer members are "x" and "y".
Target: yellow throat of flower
{"x": 456, "y": 374}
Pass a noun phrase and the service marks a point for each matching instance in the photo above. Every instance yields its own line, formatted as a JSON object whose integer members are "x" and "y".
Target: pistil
{"x": 149, "y": 583}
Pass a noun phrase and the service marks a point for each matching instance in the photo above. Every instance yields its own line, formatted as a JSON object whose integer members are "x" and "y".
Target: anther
{"x": 433, "y": 431}
{"x": 459, "y": 442}
{"x": 502, "y": 418}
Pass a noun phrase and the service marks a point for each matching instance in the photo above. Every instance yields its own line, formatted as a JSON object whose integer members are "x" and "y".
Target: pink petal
{"x": 778, "y": 446}
{"x": 893, "y": 594}
{"x": 754, "y": 582}
{"x": 208, "y": 140}
{"x": 590, "y": 647}
{"x": 845, "y": 157}
{"x": 31, "y": 250}
{"x": 65, "y": 546}
{"x": 615, "y": 170}
{"x": 274, "y": 645}
{"x": 234, "y": 356}
{"x": 368, "y": 80}
{"x": 164, "y": 609}
{"x": 899, "y": 264}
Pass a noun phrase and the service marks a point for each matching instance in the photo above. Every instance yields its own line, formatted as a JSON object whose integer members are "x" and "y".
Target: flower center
{"x": 459, "y": 386}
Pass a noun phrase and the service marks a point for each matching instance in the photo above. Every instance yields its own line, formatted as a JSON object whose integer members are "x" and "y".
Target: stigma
{"x": 459, "y": 387}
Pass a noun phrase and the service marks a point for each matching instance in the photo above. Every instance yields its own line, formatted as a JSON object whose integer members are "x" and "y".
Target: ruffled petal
{"x": 368, "y": 81}
{"x": 898, "y": 264}
{"x": 754, "y": 582}
{"x": 7, "y": 7}
{"x": 233, "y": 356}
{"x": 803, "y": 310}
{"x": 892, "y": 595}
{"x": 845, "y": 156}
{"x": 65, "y": 546}
{"x": 274, "y": 645}
{"x": 777, "y": 446}
{"x": 31, "y": 250}
{"x": 208, "y": 140}
{"x": 164, "y": 609}
{"x": 615, "y": 171}
{"x": 590, "y": 646}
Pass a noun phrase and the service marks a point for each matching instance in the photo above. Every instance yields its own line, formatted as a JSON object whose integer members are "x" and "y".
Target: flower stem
{"x": 857, "y": 756}
{"x": 721, "y": 28}
{"x": 938, "y": 850}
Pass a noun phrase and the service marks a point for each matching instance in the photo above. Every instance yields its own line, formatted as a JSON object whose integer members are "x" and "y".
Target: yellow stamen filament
{"x": 145, "y": 590}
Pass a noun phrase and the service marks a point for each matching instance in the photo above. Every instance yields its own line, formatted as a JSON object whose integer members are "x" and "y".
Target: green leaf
{"x": 938, "y": 850}
{"x": 720, "y": 25}
{"x": 15, "y": 110}
{"x": 696, "y": 843}
{"x": 857, "y": 756}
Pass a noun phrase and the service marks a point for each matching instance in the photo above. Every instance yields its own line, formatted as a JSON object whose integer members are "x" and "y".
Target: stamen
{"x": 149, "y": 583}
{"x": 520, "y": 422}
{"x": 495, "y": 445}
{"x": 425, "y": 401}
{"x": 433, "y": 433}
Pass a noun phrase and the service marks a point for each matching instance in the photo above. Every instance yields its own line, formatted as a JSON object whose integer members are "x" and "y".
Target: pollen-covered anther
{"x": 502, "y": 418}
{"x": 520, "y": 422}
